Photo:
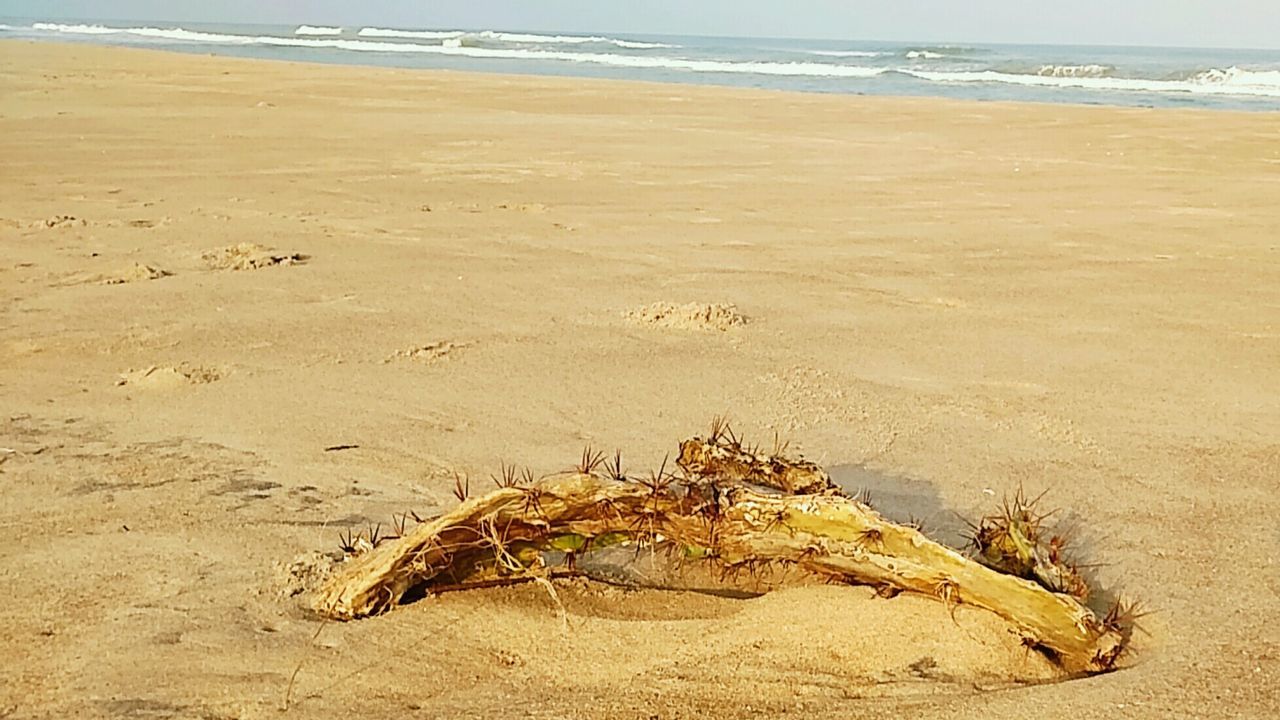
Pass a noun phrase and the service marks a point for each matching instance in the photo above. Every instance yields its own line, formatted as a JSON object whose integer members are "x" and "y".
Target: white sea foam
{"x": 633, "y": 61}
{"x": 410, "y": 34}
{"x": 1072, "y": 71}
{"x": 153, "y": 32}
{"x": 940, "y": 52}
{"x": 317, "y": 30}
{"x": 190, "y": 35}
{"x": 1231, "y": 81}
{"x": 507, "y": 37}
{"x": 846, "y": 53}
{"x": 76, "y": 29}
{"x": 1234, "y": 76}
{"x": 533, "y": 38}
{"x": 5, "y": 27}
{"x": 636, "y": 45}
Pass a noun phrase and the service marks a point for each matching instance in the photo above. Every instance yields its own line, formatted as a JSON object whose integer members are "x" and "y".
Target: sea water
{"x": 1136, "y": 76}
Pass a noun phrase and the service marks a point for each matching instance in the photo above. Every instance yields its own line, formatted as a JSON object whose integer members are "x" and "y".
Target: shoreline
{"x": 248, "y": 306}
{"x": 568, "y": 77}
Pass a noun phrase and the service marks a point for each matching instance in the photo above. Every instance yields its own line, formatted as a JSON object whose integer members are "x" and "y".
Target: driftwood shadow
{"x": 902, "y": 499}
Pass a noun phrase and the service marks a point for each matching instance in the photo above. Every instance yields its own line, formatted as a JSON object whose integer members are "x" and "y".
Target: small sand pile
{"x": 59, "y": 221}
{"x": 305, "y": 574}
{"x": 170, "y": 376}
{"x": 138, "y": 273}
{"x": 429, "y": 352}
{"x": 249, "y": 256}
{"x": 692, "y": 316}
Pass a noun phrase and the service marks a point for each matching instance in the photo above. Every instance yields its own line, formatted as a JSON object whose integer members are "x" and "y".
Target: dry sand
{"x": 942, "y": 300}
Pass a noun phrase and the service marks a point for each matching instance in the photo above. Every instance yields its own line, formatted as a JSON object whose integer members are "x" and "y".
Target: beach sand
{"x": 213, "y": 269}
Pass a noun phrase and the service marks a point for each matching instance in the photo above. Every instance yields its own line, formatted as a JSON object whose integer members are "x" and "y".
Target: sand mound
{"x": 170, "y": 376}
{"x": 691, "y": 316}
{"x": 785, "y": 654}
{"x": 535, "y": 208}
{"x": 429, "y": 352}
{"x": 59, "y": 221}
{"x": 249, "y": 256}
{"x": 137, "y": 273}
{"x": 306, "y": 573}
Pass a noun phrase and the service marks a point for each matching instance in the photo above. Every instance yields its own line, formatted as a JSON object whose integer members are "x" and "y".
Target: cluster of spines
{"x": 1012, "y": 541}
{"x": 352, "y": 541}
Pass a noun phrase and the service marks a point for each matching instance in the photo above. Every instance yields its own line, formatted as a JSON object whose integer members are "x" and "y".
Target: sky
{"x": 1190, "y": 23}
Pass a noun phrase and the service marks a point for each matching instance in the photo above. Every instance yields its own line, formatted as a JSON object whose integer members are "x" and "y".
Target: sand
{"x": 439, "y": 272}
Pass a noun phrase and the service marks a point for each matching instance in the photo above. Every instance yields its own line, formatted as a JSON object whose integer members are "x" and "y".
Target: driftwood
{"x": 714, "y": 512}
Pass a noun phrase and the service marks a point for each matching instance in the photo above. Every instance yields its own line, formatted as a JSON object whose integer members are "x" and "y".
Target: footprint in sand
{"x": 168, "y": 376}
{"x": 249, "y": 256}
{"x": 430, "y": 352}
{"x": 691, "y": 316}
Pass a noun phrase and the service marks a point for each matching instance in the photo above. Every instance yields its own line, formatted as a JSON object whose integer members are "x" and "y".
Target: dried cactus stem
{"x": 498, "y": 536}
{"x": 903, "y": 558}
{"x": 725, "y": 460}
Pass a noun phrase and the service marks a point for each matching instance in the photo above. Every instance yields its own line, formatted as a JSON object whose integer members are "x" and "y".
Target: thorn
{"x": 779, "y": 446}
{"x": 506, "y": 478}
{"x": 871, "y": 536}
{"x": 399, "y": 523}
{"x": 719, "y": 424}
{"x": 590, "y": 460}
{"x": 613, "y": 468}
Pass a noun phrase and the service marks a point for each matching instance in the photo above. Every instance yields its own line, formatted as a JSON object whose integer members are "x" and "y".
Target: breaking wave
{"x": 471, "y": 38}
{"x": 1231, "y": 81}
{"x": 410, "y": 34}
{"x": 939, "y": 52}
{"x": 458, "y": 49}
{"x": 1237, "y": 76}
{"x": 1075, "y": 71}
{"x": 76, "y": 29}
{"x": 456, "y": 43}
{"x": 152, "y": 32}
{"x": 317, "y": 30}
{"x": 565, "y": 39}
{"x": 847, "y": 53}
{"x": 451, "y": 47}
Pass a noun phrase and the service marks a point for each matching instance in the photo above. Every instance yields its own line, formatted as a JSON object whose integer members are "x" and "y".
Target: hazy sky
{"x": 1213, "y": 23}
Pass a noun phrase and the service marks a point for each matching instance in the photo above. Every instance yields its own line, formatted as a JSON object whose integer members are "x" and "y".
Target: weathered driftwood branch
{"x": 709, "y": 515}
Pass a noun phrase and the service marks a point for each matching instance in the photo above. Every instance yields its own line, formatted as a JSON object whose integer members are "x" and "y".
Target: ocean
{"x": 1131, "y": 76}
